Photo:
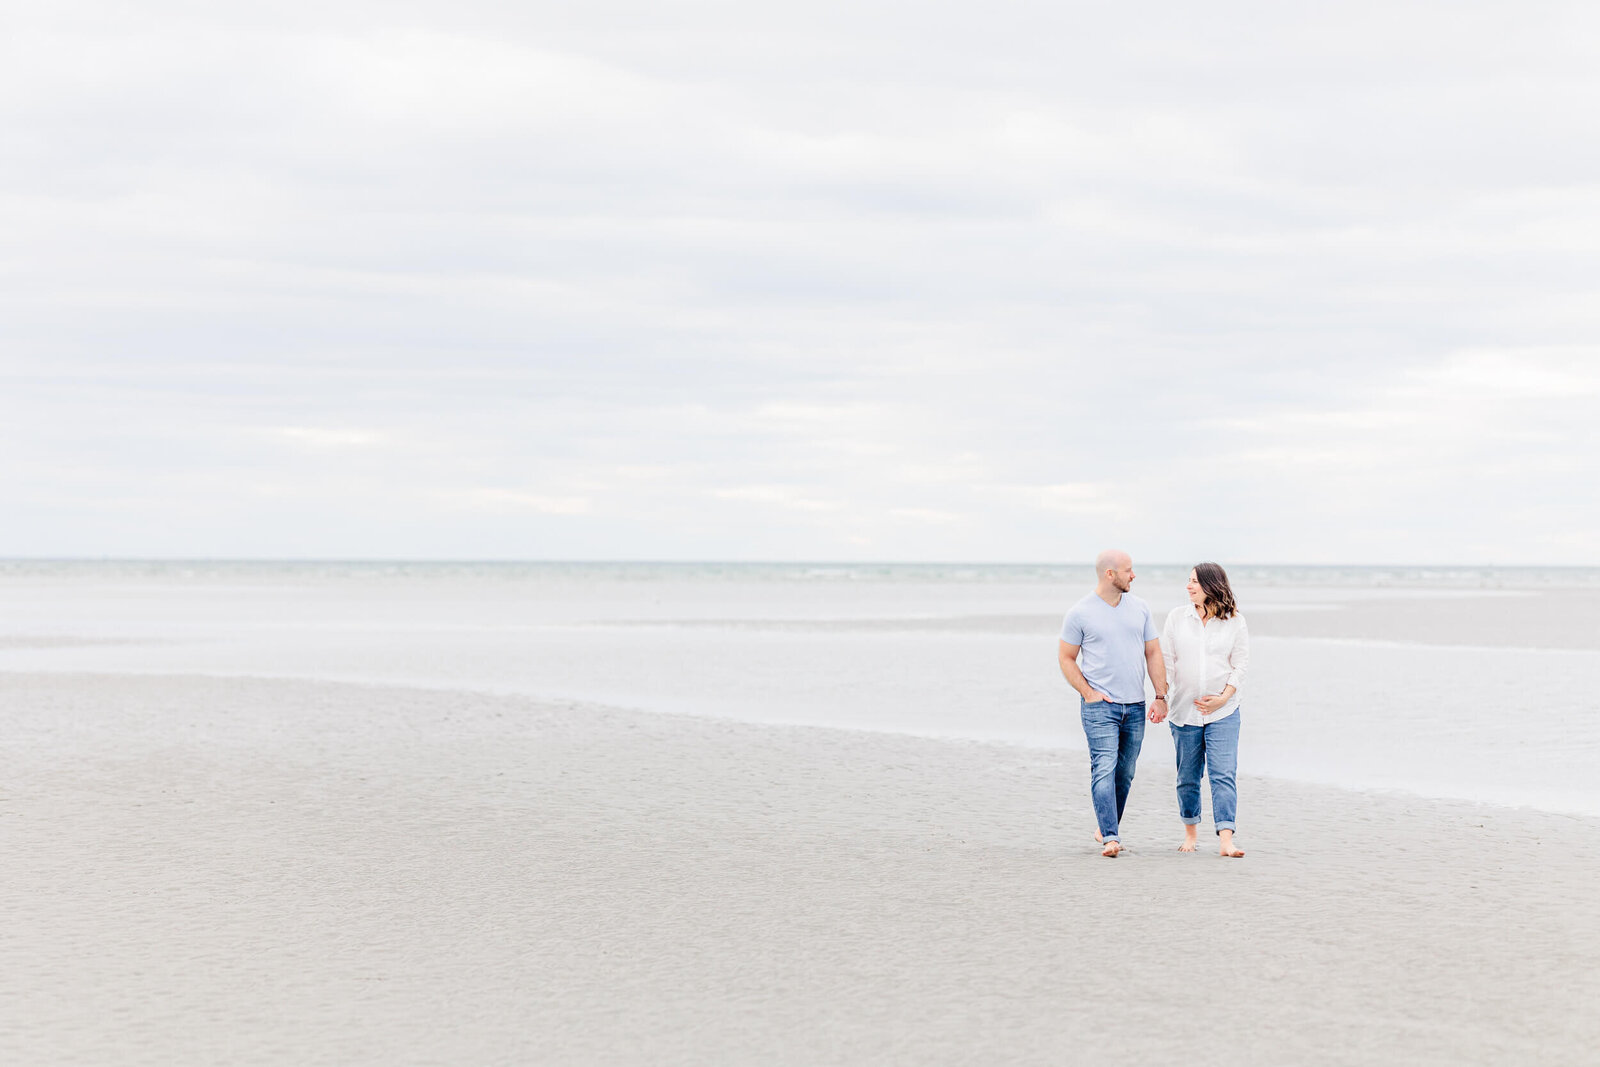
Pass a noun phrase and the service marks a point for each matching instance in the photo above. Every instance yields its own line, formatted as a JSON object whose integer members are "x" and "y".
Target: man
{"x": 1108, "y": 643}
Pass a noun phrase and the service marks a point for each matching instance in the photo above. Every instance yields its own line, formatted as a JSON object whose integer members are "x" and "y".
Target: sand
{"x": 262, "y": 871}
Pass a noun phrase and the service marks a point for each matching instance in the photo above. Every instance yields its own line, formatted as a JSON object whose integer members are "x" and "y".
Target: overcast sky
{"x": 999, "y": 281}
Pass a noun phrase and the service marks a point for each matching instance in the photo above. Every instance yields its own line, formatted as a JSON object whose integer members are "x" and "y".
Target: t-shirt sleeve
{"x": 1150, "y": 633}
{"x": 1072, "y": 629}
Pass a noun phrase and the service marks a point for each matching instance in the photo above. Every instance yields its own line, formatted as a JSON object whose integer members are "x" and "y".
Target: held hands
{"x": 1158, "y": 711}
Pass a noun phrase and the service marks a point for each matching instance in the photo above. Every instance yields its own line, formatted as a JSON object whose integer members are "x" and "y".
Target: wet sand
{"x": 259, "y": 871}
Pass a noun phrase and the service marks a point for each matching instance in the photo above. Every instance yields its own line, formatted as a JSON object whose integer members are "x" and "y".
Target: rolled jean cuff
{"x": 1191, "y": 820}
{"x": 1221, "y": 826}
{"x": 1104, "y": 840}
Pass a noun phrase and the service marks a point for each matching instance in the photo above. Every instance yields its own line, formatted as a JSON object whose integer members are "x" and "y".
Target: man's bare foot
{"x": 1227, "y": 848}
{"x": 1189, "y": 838}
{"x": 1111, "y": 849}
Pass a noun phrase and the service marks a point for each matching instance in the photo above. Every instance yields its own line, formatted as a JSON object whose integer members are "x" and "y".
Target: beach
{"x": 250, "y": 870}
{"x": 596, "y": 535}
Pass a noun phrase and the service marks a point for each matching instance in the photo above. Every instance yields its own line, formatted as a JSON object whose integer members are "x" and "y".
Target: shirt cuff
{"x": 1234, "y": 679}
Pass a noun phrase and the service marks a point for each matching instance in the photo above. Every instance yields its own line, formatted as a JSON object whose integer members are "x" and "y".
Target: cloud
{"x": 754, "y": 280}
{"x": 494, "y": 499}
{"x": 778, "y": 496}
{"x": 323, "y": 438}
{"x": 1525, "y": 373}
{"x": 929, "y": 516}
{"x": 1076, "y": 498}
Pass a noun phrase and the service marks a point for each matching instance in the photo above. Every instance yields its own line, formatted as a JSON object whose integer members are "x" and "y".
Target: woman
{"x": 1207, "y": 648}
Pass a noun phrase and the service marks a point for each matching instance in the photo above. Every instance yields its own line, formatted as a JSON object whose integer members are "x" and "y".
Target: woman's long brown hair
{"x": 1219, "y": 594}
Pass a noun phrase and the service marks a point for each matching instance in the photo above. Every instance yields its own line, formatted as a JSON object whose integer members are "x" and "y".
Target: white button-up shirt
{"x": 1202, "y": 658}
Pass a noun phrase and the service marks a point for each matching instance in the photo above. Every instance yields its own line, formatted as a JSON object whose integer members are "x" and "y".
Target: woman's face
{"x": 1197, "y": 596}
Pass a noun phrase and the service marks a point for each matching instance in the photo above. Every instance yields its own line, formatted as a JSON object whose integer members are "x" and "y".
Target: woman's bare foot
{"x": 1111, "y": 849}
{"x": 1189, "y": 838}
{"x": 1227, "y": 845}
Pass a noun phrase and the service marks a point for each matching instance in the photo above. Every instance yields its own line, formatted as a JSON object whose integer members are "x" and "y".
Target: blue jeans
{"x": 1115, "y": 733}
{"x": 1212, "y": 750}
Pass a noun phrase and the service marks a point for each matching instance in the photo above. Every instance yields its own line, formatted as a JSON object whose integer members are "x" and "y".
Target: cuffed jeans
{"x": 1115, "y": 733}
{"x": 1212, "y": 750}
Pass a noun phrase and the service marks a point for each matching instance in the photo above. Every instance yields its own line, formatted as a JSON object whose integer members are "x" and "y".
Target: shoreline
{"x": 265, "y": 870}
{"x": 1398, "y": 794}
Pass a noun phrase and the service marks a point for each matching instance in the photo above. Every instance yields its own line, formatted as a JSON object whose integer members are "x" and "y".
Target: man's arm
{"x": 1068, "y": 657}
{"x": 1156, "y": 664}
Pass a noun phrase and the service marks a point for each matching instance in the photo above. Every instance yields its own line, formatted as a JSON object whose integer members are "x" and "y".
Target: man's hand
{"x": 1206, "y": 705}
{"x": 1158, "y": 711}
{"x": 1095, "y": 697}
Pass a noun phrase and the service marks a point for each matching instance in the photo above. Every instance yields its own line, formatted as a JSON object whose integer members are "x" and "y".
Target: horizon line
{"x": 707, "y": 561}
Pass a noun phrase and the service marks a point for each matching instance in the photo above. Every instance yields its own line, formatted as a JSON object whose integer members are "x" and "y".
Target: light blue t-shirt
{"x": 1112, "y": 640}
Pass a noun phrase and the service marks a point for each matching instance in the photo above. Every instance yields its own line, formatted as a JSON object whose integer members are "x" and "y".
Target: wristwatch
{"x": 1160, "y": 696}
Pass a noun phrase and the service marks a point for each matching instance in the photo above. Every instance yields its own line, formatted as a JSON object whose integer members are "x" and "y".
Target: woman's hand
{"x": 1214, "y": 702}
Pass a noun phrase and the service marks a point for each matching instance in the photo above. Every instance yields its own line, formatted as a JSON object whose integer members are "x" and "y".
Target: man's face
{"x": 1122, "y": 576}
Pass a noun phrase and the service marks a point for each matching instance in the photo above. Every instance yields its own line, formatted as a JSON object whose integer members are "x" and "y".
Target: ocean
{"x": 1474, "y": 683}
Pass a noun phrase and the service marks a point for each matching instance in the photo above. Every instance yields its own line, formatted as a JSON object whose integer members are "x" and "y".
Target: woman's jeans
{"x": 1212, "y": 750}
{"x": 1115, "y": 733}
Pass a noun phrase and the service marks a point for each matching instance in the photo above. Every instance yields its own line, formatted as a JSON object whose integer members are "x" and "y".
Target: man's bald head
{"x": 1112, "y": 559}
{"x": 1113, "y": 569}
